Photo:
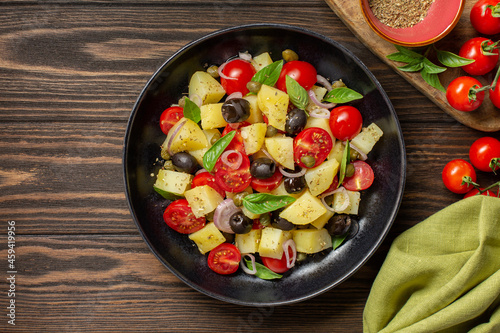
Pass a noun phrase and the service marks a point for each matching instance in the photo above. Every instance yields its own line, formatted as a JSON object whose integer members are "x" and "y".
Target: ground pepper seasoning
{"x": 400, "y": 13}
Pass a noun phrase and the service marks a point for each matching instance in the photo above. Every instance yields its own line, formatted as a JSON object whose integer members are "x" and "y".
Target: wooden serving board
{"x": 486, "y": 118}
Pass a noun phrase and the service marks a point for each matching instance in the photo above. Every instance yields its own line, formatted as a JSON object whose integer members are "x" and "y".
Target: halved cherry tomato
{"x": 241, "y": 71}
{"x": 333, "y": 186}
{"x": 482, "y": 19}
{"x": 277, "y": 265}
{"x": 475, "y": 191}
{"x": 232, "y": 179}
{"x": 206, "y": 178}
{"x": 224, "y": 259}
{"x": 237, "y": 142}
{"x": 362, "y": 179}
{"x": 485, "y": 55}
{"x": 461, "y": 94}
{"x": 454, "y": 173}
{"x": 482, "y": 151}
{"x": 180, "y": 217}
{"x": 268, "y": 184}
{"x": 345, "y": 122}
{"x": 169, "y": 117}
{"x": 314, "y": 142}
{"x": 303, "y": 72}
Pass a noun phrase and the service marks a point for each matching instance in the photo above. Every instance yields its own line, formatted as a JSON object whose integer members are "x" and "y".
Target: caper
{"x": 354, "y": 155}
{"x": 184, "y": 162}
{"x": 271, "y": 131}
{"x": 253, "y": 86}
{"x": 295, "y": 121}
{"x": 294, "y": 184}
{"x": 289, "y": 55}
{"x": 349, "y": 170}
{"x": 164, "y": 154}
{"x": 338, "y": 84}
{"x": 214, "y": 138}
{"x": 240, "y": 223}
{"x": 263, "y": 168}
{"x": 236, "y": 110}
{"x": 338, "y": 224}
{"x": 238, "y": 198}
{"x": 213, "y": 71}
{"x": 265, "y": 219}
{"x": 308, "y": 161}
{"x": 301, "y": 256}
{"x": 168, "y": 165}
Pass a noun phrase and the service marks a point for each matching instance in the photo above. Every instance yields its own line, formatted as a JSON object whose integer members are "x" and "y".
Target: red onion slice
{"x": 362, "y": 156}
{"x": 315, "y": 100}
{"x": 235, "y": 165}
{"x": 236, "y": 94}
{"x": 344, "y": 205}
{"x": 200, "y": 171}
{"x": 290, "y": 174}
{"x": 174, "y": 134}
{"x": 222, "y": 214}
{"x": 320, "y": 113}
{"x": 222, "y": 75}
{"x": 244, "y": 266}
{"x": 290, "y": 244}
{"x": 245, "y": 56}
{"x": 324, "y": 82}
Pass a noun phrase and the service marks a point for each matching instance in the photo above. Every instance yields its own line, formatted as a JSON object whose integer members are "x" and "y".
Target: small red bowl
{"x": 441, "y": 18}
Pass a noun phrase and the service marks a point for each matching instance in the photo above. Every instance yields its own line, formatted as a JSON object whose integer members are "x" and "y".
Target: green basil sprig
{"x": 213, "y": 153}
{"x": 260, "y": 203}
{"x": 191, "y": 110}
{"x": 343, "y": 164}
{"x": 269, "y": 75}
{"x": 342, "y": 95}
{"x": 262, "y": 271}
{"x": 298, "y": 95}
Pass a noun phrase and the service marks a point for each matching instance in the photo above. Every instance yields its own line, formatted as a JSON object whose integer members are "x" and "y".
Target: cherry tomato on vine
{"x": 482, "y": 151}
{"x": 206, "y": 178}
{"x": 232, "y": 171}
{"x": 345, "y": 122}
{"x": 239, "y": 73}
{"x": 461, "y": 94}
{"x": 486, "y": 19}
{"x": 483, "y": 52}
{"x": 475, "y": 191}
{"x": 277, "y": 265}
{"x": 179, "y": 216}
{"x": 303, "y": 72}
{"x": 224, "y": 259}
{"x": 494, "y": 95}
{"x": 362, "y": 179}
{"x": 453, "y": 175}
{"x": 169, "y": 117}
{"x": 311, "y": 147}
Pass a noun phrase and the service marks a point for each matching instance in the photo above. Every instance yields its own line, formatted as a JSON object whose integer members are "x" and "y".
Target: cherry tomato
{"x": 206, "y": 178}
{"x": 312, "y": 143}
{"x": 485, "y": 58}
{"x": 461, "y": 94}
{"x": 482, "y": 19}
{"x": 268, "y": 184}
{"x": 224, "y": 259}
{"x": 345, "y": 122}
{"x": 494, "y": 96}
{"x": 303, "y": 72}
{"x": 237, "y": 143}
{"x": 230, "y": 178}
{"x": 475, "y": 191}
{"x": 482, "y": 151}
{"x": 362, "y": 179}
{"x": 169, "y": 117}
{"x": 180, "y": 217}
{"x": 277, "y": 265}
{"x": 241, "y": 72}
{"x": 453, "y": 174}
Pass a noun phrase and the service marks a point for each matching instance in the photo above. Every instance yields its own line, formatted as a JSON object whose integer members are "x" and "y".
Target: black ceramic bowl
{"x": 379, "y": 204}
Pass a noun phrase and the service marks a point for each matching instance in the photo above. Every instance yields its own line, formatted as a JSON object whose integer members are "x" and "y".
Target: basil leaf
{"x": 408, "y": 52}
{"x": 260, "y": 203}
{"x": 400, "y": 57}
{"x": 298, "y": 95}
{"x": 414, "y": 66}
{"x": 213, "y": 153}
{"x": 342, "y": 95}
{"x": 191, "y": 110}
{"x": 262, "y": 271}
{"x": 432, "y": 79}
{"x": 432, "y": 68}
{"x": 343, "y": 164}
{"x": 452, "y": 60}
{"x": 269, "y": 75}
{"x": 338, "y": 240}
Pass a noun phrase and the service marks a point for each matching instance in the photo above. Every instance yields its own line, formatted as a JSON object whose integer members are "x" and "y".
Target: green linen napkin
{"x": 442, "y": 275}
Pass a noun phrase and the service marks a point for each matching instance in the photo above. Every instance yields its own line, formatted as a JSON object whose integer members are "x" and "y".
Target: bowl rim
{"x": 399, "y": 192}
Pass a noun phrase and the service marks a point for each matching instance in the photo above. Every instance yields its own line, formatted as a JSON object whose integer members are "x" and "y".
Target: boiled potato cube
{"x": 280, "y": 190}
{"x": 367, "y": 138}
{"x": 354, "y": 199}
{"x": 311, "y": 240}
{"x": 253, "y": 137}
{"x": 261, "y": 61}
{"x": 207, "y": 238}
{"x": 206, "y": 87}
{"x": 320, "y": 178}
{"x": 203, "y": 200}
{"x": 321, "y": 221}
{"x": 188, "y": 137}
{"x": 337, "y": 151}
{"x": 171, "y": 184}
{"x": 211, "y": 116}
{"x": 280, "y": 147}
{"x": 271, "y": 242}
{"x": 255, "y": 113}
{"x": 249, "y": 242}
{"x": 320, "y": 93}
{"x": 198, "y": 154}
{"x": 274, "y": 105}
{"x": 304, "y": 210}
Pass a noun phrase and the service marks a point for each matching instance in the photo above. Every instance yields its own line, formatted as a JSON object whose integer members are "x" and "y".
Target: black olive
{"x": 294, "y": 184}
{"x": 240, "y": 223}
{"x": 263, "y": 168}
{"x": 184, "y": 162}
{"x": 295, "y": 121}
{"x": 338, "y": 224}
{"x": 236, "y": 110}
{"x": 279, "y": 222}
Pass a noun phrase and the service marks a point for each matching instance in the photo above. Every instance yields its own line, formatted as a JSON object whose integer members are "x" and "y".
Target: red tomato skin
{"x": 345, "y": 122}
{"x": 362, "y": 179}
{"x": 482, "y": 151}
{"x": 179, "y": 216}
{"x": 277, "y": 265}
{"x": 453, "y": 173}
{"x": 242, "y": 70}
{"x": 457, "y": 94}
{"x": 224, "y": 259}
{"x": 303, "y": 72}
{"x": 268, "y": 184}
{"x": 494, "y": 96}
{"x": 481, "y": 18}
{"x": 231, "y": 180}
{"x": 169, "y": 117}
{"x": 313, "y": 141}
{"x": 473, "y": 49}
{"x": 475, "y": 191}
{"x": 206, "y": 178}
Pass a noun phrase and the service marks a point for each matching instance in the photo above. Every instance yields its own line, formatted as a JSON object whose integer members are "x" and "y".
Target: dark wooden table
{"x": 70, "y": 72}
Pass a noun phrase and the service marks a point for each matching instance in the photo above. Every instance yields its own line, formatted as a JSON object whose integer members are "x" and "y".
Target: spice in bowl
{"x": 400, "y": 13}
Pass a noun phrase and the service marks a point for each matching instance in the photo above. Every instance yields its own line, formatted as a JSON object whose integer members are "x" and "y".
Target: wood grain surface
{"x": 486, "y": 118}
{"x": 70, "y": 73}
